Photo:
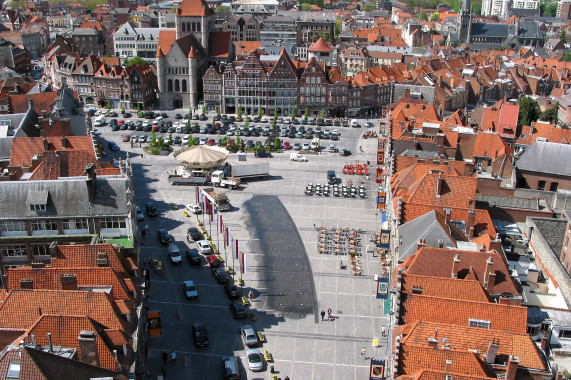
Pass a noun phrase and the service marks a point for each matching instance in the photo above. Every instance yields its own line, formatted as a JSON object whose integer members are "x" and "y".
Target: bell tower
{"x": 464, "y": 23}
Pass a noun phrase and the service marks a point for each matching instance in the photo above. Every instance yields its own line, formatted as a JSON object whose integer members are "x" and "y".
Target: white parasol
{"x": 201, "y": 156}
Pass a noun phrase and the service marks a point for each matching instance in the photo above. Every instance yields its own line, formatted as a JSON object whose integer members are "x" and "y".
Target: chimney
{"x": 50, "y": 342}
{"x": 53, "y": 249}
{"x": 447, "y": 215}
{"x": 26, "y": 283}
{"x": 513, "y": 363}
{"x": 470, "y": 222}
{"x": 448, "y": 366}
{"x": 46, "y": 144}
{"x": 421, "y": 243}
{"x": 90, "y": 181}
{"x": 491, "y": 282}
{"x": 102, "y": 259}
{"x": 68, "y": 282}
{"x": 30, "y": 103}
{"x": 544, "y": 341}
{"x": 88, "y": 346}
{"x": 440, "y": 243}
{"x": 407, "y": 93}
{"x": 455, "y": 266}
{"x": 439, "y": 186}
{"x": 64, "y": 142}
{"x": 492, "y": 352}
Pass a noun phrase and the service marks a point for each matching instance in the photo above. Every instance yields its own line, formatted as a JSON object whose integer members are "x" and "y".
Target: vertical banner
{"x": 197, "y": 195}
{"x": 387, "y": 305}
{"x": 377, "y": 371}
{"x": 227, "y": 237}
{"x": 385, "y": 237}
{"x": 235, "y": 248}
{"x": 212, "y": 210}
{"x": 243, "y": 262}
{"x": 220, "y": 224}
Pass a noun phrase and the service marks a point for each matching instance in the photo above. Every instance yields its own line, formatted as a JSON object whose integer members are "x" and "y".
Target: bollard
{"x": 272, "y": 369}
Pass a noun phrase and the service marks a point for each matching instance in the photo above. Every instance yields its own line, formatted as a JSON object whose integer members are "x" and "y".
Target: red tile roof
{"x": 194, "y": 8}
{"x": 440, "y": 310}
{"x": 166, "y": 40}
{"x": 320, "y": 46}
{"x": 438, "y": 262}
{"x": 489, "y": 144}
{"x": 41, "y": 102}
{"x": 85, "y": 255}
{"x": 461, "y": 289}
{"x": 509, "y": 114}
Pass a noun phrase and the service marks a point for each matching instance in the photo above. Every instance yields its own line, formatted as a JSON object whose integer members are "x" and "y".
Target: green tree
{"x": 331, "y": 34}
{"x": 260, "y": 112}
{"x": 306, "y": 114}
{"x": 238, "y": 137}
{"x": 550, "y": 114}
{"x": 138, "y": 107}
{"x": 477, "y": 7}
{"x": 566, "y": 57}
{"x": 153, "y": 137}
{"x": 323, "y": 113}
{"x": 528, "y": 111}
{"x": 550, "y": 9}
{"x": 190, "y": 140}
{"x": 306, "y": 7}
{"x": 170, "y": 137}
{"x": 423, "y": 16}
{"x": 203, "y": 109}
{"x": 213, "y": 121}
{"x": 563, "y": 36}
{"x": 218, "y": 110}
{"x": 239, "y": 112}
{"x": 276, "y": 141}
{"x": 247, "y": 123}
{"x": 435, "y": 16}
{"x": 108, "y": 104}
{"x": 135, "y": 61}
{"x": 122, "y": 108}
{"x": 221, "y": 9}
{"x": 338, "y": 27}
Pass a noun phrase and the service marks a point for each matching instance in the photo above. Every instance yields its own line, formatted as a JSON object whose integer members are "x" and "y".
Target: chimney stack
{"x": 440, "y": 243}
{"x": 511, "y": 372}
{"x": 492, "y": 352}
{"x": 421, "y": 243}
{"x": 489, "y": 265}
{"x": 447, "y": 215}
{"x": 544, "y": 342}
{"x": 88, "y": 345}
{"x": 90, "y": 181}
{"x": 455, "y": 266}
{"x": 30, "y": 103}
{"x": 68, "y": 282}
{"x": 26, "y": 283}
{"x": 64, "y": 142}
{"x": 439, "y": 183}
{"x": 46, "y": 144}
{"x": 50, "y": 342}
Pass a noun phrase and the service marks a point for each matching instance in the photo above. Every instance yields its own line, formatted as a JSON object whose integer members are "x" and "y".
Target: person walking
{"x": 173, "y": 355}
{"x": 329, "y": 311}
{"x": 251, "y": 295}
{"x": 363, "y": 352}
{"x": 322, "y": 314}
{"x": 165, "y": 357}
{"x": 383, "y": 331}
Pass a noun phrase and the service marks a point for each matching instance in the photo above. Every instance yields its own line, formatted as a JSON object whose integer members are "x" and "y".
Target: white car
{"x": 297, "y": 157}
{"x": 185, "y": 140}
{"x": 264, "y": 119}
{"x": 189, "y": 289}
{"x": 248, "y": 336}
{"x": 167, "y": 140}
{"x": 203, "y": 247}
{"x": 195, "y": 209}
{"x": 305, "y": 146}
{"x": 174, "y": 254}
{"x": 140, "y": 213}
{"x": 255, "y": 361}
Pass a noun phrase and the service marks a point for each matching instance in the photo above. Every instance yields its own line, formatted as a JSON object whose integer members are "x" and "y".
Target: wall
{"x": 565, "y": 255}
{"x": 532, "y": 180}
{"x": 427, "y": 92}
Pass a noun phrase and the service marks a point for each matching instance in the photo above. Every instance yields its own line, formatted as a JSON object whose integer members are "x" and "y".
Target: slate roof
{"x": 429, "y": 227}
{"x": 438, "y": 262}
{"x": 72, "y": 198}
{"x": 553, "y": 231}
{"x": 480, "y": 29}
{"x": 545, "y": 157}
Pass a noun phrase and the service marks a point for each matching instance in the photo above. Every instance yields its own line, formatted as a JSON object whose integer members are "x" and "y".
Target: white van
{"x": 99, "y": 121}
{"x": 354, "y": 123}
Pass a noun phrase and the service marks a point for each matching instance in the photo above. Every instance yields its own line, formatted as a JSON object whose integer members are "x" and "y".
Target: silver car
{"x": 255, "y": 361}
{"x": 248, "y": 336}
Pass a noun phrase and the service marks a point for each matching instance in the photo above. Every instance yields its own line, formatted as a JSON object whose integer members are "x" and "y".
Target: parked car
{"x": 174, "y": 253}
{"x": 213, "y": 261}
{"x": 232, "y": 291}
{"x": 230, "y": 367}
{"x": 203, "y": 247}
{"x": 297, "y": 146}
{"x": 199, "y": 335}
{"x": 190, "y": 290}
{"x": 221, "y": 275}
{"x": 262, "y": 154}
{"x": 297, "y": 157}
{"x": 112, "y": 146}
{"x": 287, "y": 145}
{"x": 163, "y": 236}
{"x": 126, "y": 138}
{"x": 139, "y": 213}
{"x": 238, "y": 309}
{"x": 344, "y": 152}
{"x": 178, "y": 116}
{"x": 255, "y": 361}
{"x": 193, "y": 234}
{"x": 248, "y": 336}
{"x": 151, "y": 209}
{"x": 193, "y": 256}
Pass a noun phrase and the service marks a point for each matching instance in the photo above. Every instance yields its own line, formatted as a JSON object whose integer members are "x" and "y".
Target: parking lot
{"x": 275, "y": 223}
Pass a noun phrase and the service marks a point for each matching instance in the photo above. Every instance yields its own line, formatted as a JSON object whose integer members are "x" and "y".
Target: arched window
{"x": 184, "y": 26}
{"x": 184, "y": 85}
{"x": 170, "y": 85}
{"x": 198, "y": 27}
{"x": 176, "y": 85}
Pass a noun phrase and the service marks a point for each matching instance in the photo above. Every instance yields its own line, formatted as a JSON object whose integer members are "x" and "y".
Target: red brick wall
{"x": 532, "y": 181}
{"x": 491, "y": 186}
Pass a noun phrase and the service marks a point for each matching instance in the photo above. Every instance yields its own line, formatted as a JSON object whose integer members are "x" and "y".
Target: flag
{"x": 227, "y": 237}
{"x": 212, "y": 210}
{"x": 235, "y": 248}
{"x": 197, "y": 194}
{"x": 220, "y": 224}
{"x": 243, "y": 262}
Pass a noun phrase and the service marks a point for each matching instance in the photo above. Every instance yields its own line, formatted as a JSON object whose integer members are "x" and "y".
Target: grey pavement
{"x": 302, "y": 346}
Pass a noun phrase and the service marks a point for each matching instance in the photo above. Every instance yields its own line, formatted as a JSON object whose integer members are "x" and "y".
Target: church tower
{"x": 197, "y": 18}
{"x": 464, "y": 23}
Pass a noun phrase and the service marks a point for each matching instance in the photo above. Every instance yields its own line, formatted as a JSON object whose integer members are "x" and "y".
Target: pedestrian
{"x": 286, "y": 378}
{"x": 383, "y": 331}
{"x": 322, "y": 314}
{"x": 164, "y": 370}
{"x": 329, "y": 311}
{"x": 363, "y": 352}
{"x": 173, "y": 355}
{"x": 165, "y": 356}
{"x": 251, "y": 295}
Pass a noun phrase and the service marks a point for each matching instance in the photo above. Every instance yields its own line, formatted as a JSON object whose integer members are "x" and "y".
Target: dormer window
{"x": 37, "y": 200}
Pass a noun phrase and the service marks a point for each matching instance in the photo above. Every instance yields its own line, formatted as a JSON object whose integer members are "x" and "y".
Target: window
{"x": 564, "y": 333}
{"x": 170, "y": 85}
{"x": 13, "y": 370}
{"x": 113, "y": 223}
{"x": 554, "y": 186}
{"x": 44, "y": 225}
{"x": 38, "y": 207}
{"x": 13, "y": 250}
{"x": 541, "y": 185}
{"x": 479, "y": 323}
{"x": 13, "y": 226}
{"x": 75, "y": 224}
{"x": 40, "y": 250}
{"x": 176, "y": 85}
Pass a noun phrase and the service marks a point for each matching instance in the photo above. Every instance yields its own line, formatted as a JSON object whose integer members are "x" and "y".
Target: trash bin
{"x": 271, "y": 369}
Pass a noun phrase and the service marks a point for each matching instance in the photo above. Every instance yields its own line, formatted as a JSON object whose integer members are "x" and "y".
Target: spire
{"x": 192, "y": 53}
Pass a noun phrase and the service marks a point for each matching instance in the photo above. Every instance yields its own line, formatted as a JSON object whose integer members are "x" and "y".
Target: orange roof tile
{"x": 85, "y": 255}
{"x": 320, "y": 45}
{"x": 41, "y": 102}
{"x": 24, "y": 148}
{"x": 166, "y": 40}
{"x": 489, "y": 144}
{"x": 445, "y": 287}
{"x": 194, "y": 8}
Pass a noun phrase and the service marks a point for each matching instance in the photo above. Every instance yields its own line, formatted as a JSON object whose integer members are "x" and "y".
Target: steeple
{"x": 464, "y": 23}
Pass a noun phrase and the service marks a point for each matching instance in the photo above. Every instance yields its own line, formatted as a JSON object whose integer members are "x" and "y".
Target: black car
{"x": 193, "y": 256}
{"x": 262, "y": 154}
{"x": 203, "y": 117}
{"x": 344, "y": 152}
{"x": 163, "y": 236}
{"x": 238, "y": 309}
{"x": 164, "y": 115}
{"x": 232, "y": 291}
{"x": 221, "y": 275}
{"x": 151, "y": 209}
{"x": 177, "y": 140}
{"x": 199, "y": 334}
{"x": 113, "y": 114}
{"x": 193, "y": 234}
{"x": 114, "y": 127}
{"x": 127, "y": 115}
{"x": 178, "y": 116}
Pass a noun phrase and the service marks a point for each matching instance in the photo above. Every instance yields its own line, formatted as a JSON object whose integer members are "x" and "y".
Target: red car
{"x": 286, "y": 145}
{"x": 230, "y": 143}
{"x": 126, "y": 138}
{"x": 120, "y": 122}
{"x": 213, "y": 261}
{"x": 211, "y": 142}
{"x": 155, "y": 127}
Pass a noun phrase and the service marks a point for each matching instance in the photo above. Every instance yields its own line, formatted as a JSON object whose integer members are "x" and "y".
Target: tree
{"x": 423, "y": 16}
{"x": 238, "y": 136}
{"x": 203, "y": 109}
{"x": 293, "y": 112}
{"x": 306, "y": 7}
{"x": 221, "y": 9}
{"x": 306, "y": 114}
{"x": 213, "y": 121}
{"x": 331, "y": 34}
{"x": 563, "y": 36}
{"x": 550, "y": 114}
{"x": 435, "y": 16}
{"x": 528, "y": 111}
{"x": 247, "y": 123}
{"x": 323, "y": 113}
{"x": 218, "y": 110}
{"x": 477, "y": 7}
{"x": 338, "y": 27}
{"x": 135, "y": 61}
{"x": 239, "y": 118}
{"x": 170, "y": 137}
{"x": 551, "y": 10}
{"x": 108, "y": 104}
{"x": 260, "y": 112}
{"x": 566, "y": 57}
{"x": 153, "y": 137}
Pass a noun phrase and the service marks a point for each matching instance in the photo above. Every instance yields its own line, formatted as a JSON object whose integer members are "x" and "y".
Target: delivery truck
{"x": 258, "y": 168}
{"x": 219, "y": 200}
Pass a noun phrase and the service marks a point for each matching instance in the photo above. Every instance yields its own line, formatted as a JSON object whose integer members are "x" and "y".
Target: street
{"x": 274, "y": 222}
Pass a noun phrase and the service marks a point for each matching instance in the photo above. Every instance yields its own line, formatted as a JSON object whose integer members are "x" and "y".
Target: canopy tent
{"x": 201, "y": 156}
